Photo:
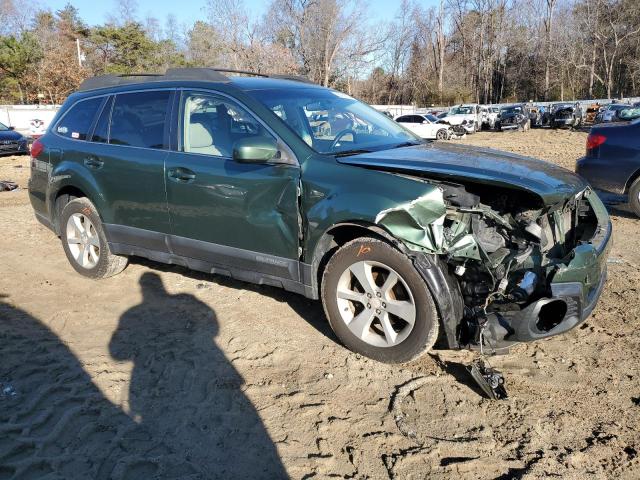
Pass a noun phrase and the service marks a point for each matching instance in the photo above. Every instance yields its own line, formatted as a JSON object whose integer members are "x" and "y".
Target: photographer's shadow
{"x": 184, "y": 390}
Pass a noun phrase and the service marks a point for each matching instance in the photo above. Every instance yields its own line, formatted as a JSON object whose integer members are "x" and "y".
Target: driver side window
{"x": 211, "y": 125}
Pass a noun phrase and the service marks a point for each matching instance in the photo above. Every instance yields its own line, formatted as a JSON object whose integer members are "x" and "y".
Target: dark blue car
{"x": 11, "y": 141}
{"x": 612, "y": 162}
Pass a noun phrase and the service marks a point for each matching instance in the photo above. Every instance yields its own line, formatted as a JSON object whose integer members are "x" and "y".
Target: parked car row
{"x": 617, "y": 112}
{"x": 471, "y": 118}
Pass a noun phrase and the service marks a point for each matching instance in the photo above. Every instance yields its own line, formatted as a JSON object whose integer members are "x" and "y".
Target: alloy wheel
{"x": 376, "y": 304}
{"x": 82, "y": 240}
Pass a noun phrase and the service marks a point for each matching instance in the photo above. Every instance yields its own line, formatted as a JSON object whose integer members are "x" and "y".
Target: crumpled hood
{"x": 552, "y": 183}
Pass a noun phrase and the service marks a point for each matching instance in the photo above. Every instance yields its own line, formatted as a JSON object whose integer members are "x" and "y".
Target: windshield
{"x": 431, "y": 118}
{"x": 3, "y": 127}
{"x": 461, "y": 111}
{"x": 333, "y": 122}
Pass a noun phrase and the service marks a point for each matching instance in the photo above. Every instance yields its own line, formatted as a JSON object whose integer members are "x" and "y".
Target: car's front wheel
{"x": 441, "y": 134}
{"x": 377, "y": 303}
{"x": 634, "y": 197}
{"x": 84, "y": 241}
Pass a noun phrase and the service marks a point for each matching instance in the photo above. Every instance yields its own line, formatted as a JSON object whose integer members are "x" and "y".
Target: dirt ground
{"x": 164, "y": 373}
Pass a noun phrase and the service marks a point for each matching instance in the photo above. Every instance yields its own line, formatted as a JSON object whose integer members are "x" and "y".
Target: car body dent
{"x": 417, "y": 222}
{"x": 359, "y": 197}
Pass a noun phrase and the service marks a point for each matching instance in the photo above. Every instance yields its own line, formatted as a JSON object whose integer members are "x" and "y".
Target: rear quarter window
{"x": 138, "y": 119}
{"x": 77, "y": 122}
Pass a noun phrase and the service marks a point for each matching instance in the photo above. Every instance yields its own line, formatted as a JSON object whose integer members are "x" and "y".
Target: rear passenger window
{"x": 76, "y": 123}
{"x": 138, "y": 119}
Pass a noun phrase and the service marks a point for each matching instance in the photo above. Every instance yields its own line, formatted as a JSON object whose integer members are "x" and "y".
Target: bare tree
{"x": 326, "y": 36}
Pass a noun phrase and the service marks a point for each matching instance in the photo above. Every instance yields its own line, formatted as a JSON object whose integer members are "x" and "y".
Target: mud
{"x": 165, "y": 373}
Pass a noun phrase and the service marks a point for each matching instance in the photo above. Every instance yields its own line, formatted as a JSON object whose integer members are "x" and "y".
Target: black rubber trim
{"x": 245, "y": 265}
{"x": 446, "y": 292}
{"x": 223, "y": 255}
{"x": 147, "y": 239}
{"x": 45, "y": 221}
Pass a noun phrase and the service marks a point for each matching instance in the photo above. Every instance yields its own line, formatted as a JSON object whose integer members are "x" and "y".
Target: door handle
{"x": 181, "y": 175}
{"x": 93, "y": 162}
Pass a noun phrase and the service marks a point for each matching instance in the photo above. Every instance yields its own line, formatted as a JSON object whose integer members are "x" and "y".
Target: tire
{"x": 441, "y": 134}
{"x": 634, "y": 197}
{"x": 84, "y": 241}
{"x": 409, "y": 296}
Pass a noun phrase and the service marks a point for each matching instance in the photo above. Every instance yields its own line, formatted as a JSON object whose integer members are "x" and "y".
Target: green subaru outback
{"x": 274, "y": 180}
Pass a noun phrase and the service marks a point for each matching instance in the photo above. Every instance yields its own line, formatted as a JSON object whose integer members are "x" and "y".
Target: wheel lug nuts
{"x": 368, "y": 305}
{"x": 368, "y": 295}
{"x": 378, "y": 294}
{"x": 378, "y": 311}
{"x": 384, "y": 305}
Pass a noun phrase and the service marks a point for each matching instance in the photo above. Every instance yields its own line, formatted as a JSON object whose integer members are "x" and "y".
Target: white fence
{"x": 20, "y": 116}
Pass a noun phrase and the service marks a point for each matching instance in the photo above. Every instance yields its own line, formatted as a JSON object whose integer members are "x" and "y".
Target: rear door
{"x": 241, "y": 215}
{"x": 126, "y": 158}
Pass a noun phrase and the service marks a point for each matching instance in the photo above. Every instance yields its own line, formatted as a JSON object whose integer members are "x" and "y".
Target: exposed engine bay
{"x": 504, "y": 247}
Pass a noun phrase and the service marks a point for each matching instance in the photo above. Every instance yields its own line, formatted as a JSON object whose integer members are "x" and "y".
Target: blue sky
{"x": 187, "y": 11}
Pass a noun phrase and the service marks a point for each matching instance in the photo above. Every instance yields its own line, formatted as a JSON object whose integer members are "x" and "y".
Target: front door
{"x": 242, "y": 215}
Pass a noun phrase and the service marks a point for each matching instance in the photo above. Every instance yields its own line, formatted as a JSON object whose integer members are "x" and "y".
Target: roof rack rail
{"x": 196, "y": 74}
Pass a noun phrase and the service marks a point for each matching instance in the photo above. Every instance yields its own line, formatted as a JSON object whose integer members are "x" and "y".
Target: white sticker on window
{"x": 63, "y": 129}
{"x": 75, "y": 135}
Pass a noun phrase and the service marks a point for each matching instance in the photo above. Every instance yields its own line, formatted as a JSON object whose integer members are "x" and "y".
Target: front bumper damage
{"x": 569, "y": 306}
{"x": 572, "y": 283}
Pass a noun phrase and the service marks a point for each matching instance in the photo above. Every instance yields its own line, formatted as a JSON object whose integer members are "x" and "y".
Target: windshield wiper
{"x": 407, "y": 144}
{"x": 346, "y": 153}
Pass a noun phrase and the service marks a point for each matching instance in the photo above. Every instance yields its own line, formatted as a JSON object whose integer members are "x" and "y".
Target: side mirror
{"x": 12, "y": 128}
{"x": 258, "y": 149}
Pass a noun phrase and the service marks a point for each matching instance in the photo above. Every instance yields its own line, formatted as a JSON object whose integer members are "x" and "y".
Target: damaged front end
{"x": 524, "y": 269}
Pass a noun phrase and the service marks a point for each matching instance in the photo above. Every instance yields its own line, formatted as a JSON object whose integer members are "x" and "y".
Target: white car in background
{"x": 425, "y": 126}
{"x": 489, "y": 116}
{"x": 468, "y": 117}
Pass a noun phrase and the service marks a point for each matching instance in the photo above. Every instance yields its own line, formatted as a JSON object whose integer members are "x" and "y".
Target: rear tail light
{"x": 36, "y": 148}
{"x": 594, "y": 140}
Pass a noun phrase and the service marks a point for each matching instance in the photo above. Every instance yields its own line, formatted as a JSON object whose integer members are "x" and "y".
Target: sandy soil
{"x": 164, "y": 373}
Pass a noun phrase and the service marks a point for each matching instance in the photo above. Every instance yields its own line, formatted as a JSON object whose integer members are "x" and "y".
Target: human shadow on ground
{"x": 309, "y": 310}
{"x": 189, "y": 418}
{"x": 185, "y": 390}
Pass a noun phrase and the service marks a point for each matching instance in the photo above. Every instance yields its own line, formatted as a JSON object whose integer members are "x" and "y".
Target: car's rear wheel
{"x": 377, "y": 303}
{"x": 441, "y": 134}
{"x": 634, "y": 197}
{"x": 84, "y": 241}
